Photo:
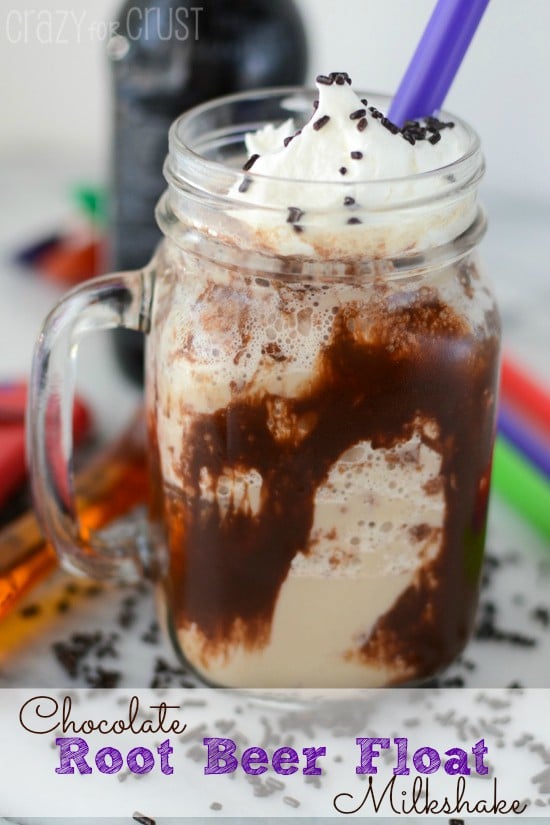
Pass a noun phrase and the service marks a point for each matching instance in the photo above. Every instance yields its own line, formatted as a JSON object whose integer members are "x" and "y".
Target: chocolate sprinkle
{"x": 435, "y": 125}
{"x": 349, "y": 201}
{"x": 488, "y": 631}
{"x": 69, "y": 654}
{"x": 152, "y": 634}
{"x": 102, "y": 678}
{"x": 321, "y": 122}
{"x": 448, "y": 682}
{"x": 250, "y": 162}
{"x": 287, "y": 140}
{"x": 315, "y": 104}
{"x": 542, "y": 615}
{"x": 358, "y": 114}
{"x": 294, "y": 214}
{"x": 354, "y": 221}
{"x": 364, "y": 101}
{"x": 356, "y": 155}
{"x": 142, "y": 819}
{"x": 362, "y": 125}
{"x": 334, "y": 77}
{"x": 413, "y": 127}
{"x": 391, "y": 127}
{"x": 245, "y": 184}
{"x": 76, "y": 657}
{"x": 128, "y": 614}
{"x": 413, "y": 130}
{"x": 166, "y": 675}
{"x": 340, "y": 78}
{"x": 343, "y": 170}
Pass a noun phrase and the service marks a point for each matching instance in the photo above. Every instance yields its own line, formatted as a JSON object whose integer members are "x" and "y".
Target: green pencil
{"x": 91, "y": 201}
{"x": 522, "y": 486}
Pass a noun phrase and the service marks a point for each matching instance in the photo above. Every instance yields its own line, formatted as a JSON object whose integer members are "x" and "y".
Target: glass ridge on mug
{"x": 321, "y": 375}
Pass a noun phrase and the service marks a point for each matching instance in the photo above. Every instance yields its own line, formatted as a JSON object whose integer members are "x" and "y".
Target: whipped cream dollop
{"x": 349, "y": 139}
{"x": 350, "y": 169}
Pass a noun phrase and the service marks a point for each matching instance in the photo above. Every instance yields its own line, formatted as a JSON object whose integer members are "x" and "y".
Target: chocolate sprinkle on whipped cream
{"x": 294, "y": 214}
{"x": 318, "y": 124}
{"x": 340, "y": 78}
{"x": 391, "y": 127}
{"x": 250, "y": 162}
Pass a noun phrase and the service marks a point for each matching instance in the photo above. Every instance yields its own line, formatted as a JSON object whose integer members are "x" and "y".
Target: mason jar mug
{"x": 320, "y": 400}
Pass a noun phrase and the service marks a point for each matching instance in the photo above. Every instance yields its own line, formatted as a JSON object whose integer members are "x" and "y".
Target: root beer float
{"x": 321, "y": 377}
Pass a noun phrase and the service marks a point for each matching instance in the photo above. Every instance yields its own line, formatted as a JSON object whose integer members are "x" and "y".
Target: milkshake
{"x": 321, "y": 379}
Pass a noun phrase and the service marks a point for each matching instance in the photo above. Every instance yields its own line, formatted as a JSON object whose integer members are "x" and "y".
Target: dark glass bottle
{"x": 166, "y": 56}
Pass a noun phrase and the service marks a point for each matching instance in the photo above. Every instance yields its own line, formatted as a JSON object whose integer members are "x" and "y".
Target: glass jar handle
{"x": 119, "y": 300}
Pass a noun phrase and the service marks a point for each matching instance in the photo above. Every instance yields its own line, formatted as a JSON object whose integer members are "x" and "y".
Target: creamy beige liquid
{"x": 362, "y": 556}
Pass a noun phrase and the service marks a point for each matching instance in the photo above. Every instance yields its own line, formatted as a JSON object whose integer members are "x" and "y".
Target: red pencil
{"x": 13, "y": 400}
{"x": 523, "y": 392}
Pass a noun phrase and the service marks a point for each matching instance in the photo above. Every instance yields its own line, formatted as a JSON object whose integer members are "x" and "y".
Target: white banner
{"x": 441, "y": 753}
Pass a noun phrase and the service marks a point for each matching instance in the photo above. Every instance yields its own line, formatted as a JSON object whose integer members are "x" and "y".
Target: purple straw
{"x": 436, "y": 60}
{"x": 517, "y": 432}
